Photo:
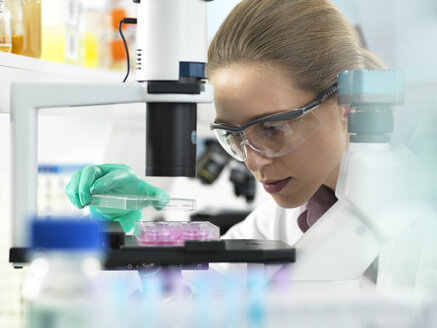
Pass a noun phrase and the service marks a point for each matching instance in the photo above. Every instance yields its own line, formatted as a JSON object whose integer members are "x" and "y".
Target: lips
{"x": 275, "y": 186}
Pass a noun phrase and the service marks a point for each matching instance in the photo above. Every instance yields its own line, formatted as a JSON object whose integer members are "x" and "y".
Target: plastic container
{"x": 136, "y": 202}
{"x": 16, "y": 9}
{"x": 61, "y": 285}
{"x": 32, "y": 28}
{"x": 5, "y": 28}
{"x": 168, "y": 233}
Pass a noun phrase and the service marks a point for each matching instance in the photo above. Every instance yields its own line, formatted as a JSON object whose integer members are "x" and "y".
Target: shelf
{"x": 15, "y": 68}
{"x": 65, "y": 71}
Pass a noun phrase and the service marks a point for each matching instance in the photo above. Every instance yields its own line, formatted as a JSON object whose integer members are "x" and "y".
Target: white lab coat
{"x": 268, "y": 221}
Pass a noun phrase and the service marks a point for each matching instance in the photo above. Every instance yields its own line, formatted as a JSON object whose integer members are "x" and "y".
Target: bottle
{"x": 32, "y": 28}
{"x": 94, "y": 31}
{"x": 118, "y": 53}
{"x": 62, "y": 289}
{"x": 74, "y": 31}
{"x": 53, "y": 30}
{"x": 5, "y": 28}
{"x": 16, "y": 9}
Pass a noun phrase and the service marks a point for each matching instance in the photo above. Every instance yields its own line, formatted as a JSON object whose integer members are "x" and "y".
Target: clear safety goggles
{"x": 273, "y": 135}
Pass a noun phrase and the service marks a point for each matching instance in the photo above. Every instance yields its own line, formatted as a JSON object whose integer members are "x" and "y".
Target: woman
{"x": 268, "y": 57}
{"x": 272, "y": 57}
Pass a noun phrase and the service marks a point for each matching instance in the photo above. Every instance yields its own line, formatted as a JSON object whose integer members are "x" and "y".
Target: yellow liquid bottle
{"x": 32, "y": 28}
{"x": 5, "y": 29}
{"x": 53, "y": 30}
{"x": 91, "y": 50}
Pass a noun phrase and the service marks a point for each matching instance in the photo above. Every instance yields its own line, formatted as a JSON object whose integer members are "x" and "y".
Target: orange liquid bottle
{"x": 17, "y": 44}
{"x": 32, "y": 28}
{"x": 118, "y": 54}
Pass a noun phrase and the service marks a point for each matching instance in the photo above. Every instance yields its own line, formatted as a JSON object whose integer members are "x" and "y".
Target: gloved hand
{"x": 110, "y": 179}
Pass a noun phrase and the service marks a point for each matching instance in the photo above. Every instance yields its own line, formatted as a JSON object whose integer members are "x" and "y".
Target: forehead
{"x": 247, "y": 90}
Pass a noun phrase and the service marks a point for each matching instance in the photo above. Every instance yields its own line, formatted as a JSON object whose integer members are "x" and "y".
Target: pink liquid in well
{"x": 174, "y": 233}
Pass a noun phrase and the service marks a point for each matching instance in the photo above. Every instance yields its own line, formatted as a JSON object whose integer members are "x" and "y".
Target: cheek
{"x": 333, "y": 131}
{"x": 320, "y": 154}
{"x": 328, "y": 146}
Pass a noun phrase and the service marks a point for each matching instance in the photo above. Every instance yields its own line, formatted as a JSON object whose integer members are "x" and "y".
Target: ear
{"x": 344, "y": 112}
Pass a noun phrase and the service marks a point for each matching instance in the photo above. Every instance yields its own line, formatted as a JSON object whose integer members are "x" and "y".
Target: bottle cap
{"x": 67, "y": 233}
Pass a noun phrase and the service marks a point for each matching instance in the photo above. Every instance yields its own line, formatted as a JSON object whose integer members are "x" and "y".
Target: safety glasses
{"x": 273, "y": 135}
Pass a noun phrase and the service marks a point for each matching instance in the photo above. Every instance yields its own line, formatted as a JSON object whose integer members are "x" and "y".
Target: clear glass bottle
{"x": 32, "y": 28}
{"x": 74, "y": 31}
{"x": 16, "y": 9}
{"x": 5, "y": 28}
{"x": 94, "y": 31}
{"x": 62, "y": 283}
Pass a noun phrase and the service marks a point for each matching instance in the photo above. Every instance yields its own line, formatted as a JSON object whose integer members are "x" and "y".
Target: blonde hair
{"x": 311, "y": 40}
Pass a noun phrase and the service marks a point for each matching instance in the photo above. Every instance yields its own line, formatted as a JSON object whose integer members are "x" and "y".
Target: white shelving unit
{"x": 15, "y": 68}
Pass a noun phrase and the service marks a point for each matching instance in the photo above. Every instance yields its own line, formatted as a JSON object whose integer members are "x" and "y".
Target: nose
{"x": 254, "y": 160}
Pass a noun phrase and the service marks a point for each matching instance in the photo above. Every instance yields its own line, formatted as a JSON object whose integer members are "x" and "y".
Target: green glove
{"x": 110, "y": 179}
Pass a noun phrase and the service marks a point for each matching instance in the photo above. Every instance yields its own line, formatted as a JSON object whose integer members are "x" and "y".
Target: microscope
{"x": 170, "y": 74}
{"x": 211, "y": 164}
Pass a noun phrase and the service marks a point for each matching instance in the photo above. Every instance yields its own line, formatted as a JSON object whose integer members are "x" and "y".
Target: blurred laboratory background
{"x": 79, "y": 41}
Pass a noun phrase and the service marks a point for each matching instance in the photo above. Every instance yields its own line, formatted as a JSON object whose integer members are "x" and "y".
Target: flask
{"x": 5, "y": 28}
{"x": 16, "y": 9}
{"x": 32, "y": 28}
{"x": 61, "y": 286}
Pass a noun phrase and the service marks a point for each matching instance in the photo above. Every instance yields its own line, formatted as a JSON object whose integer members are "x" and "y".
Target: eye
{"x": 231, "y": 134}
{"x": 273, "y": 126}
{"x": 232, "y": 137}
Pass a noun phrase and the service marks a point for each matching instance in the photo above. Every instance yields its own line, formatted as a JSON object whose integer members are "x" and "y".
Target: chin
{"x": 287, "y": 201}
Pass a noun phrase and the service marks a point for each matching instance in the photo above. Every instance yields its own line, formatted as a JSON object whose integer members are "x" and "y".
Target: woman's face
{"x": 244, "y": 91}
